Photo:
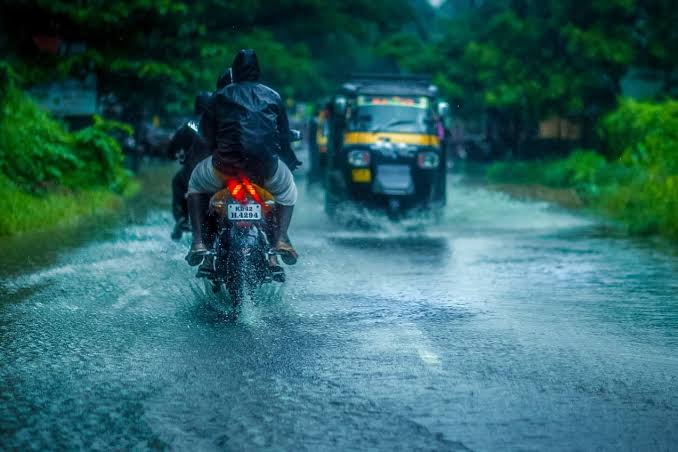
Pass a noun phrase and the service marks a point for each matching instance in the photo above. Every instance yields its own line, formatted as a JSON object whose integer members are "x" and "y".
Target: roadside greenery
{"x": 37, "y": 152}
{"x": 637, "y": 181}
{"x": 150, "y": 59}
{"x": 513, "y": 63}
{"x": 524, "y": 61}
{"x": 49, "y": 175}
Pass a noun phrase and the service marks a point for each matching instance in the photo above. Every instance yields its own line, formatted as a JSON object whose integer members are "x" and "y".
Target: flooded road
{"x": 511, "y": 326}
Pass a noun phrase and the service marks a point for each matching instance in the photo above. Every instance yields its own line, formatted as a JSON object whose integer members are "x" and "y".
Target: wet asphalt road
{"x": 511, "y": 326}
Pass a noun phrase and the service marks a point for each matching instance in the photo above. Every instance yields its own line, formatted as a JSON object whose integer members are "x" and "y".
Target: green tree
{"x": 158, "y": 53}
{"x": 657, "y": 42}
{"x": 526, "y": 60}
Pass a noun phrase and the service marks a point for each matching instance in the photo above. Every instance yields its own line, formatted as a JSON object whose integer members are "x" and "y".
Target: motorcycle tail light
{"x": 360, "y": 159}
{"x": 241, "y": 188}
{"x": 252, "y": 191}
{"x": 235, "y": 188}
{"x": 428, "y": 160}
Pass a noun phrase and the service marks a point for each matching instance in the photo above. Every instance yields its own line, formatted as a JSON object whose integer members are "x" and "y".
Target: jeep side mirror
{"x": 443, "y": 109}
{"x": 340, "y": 105}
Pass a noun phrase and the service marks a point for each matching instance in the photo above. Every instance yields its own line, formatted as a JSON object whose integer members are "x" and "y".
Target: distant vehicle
{"x": 318, "y": 140}
{"x": 153, "y": 139}
{"x": 384, "y": 145}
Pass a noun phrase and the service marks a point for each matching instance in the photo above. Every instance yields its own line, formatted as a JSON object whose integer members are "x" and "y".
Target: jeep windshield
{"x": 390, "y": 114}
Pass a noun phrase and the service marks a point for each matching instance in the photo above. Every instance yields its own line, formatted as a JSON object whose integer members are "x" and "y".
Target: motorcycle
{"x": 238, "y": 260}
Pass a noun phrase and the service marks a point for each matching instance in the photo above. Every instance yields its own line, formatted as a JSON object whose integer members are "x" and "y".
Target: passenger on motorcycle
{"x": 186, "y": 147}
{"x": 247, "y": 129}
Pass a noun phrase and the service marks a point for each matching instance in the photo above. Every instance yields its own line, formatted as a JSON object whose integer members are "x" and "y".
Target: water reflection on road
{"x": 510, "y": 326}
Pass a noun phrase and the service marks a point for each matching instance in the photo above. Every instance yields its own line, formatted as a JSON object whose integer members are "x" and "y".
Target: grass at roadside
{"x": 22, "y": 212}
{"x": 51, "y": 176}
{"x": 645, "y": 202}
{"x": 636, "y": 182}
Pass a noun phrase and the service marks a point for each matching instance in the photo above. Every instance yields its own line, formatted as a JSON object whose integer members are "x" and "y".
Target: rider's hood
{"x": 246, "y": 66}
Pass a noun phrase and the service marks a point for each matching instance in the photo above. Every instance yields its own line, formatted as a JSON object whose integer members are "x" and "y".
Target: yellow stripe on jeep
{"x": 394, "y": 137}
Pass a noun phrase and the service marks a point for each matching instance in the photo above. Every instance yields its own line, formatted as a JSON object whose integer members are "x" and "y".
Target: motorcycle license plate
{"x": 237, "y": 212}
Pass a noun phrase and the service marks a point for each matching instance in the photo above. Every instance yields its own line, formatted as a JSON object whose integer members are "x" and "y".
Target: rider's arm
{"x": 287, "y": 154}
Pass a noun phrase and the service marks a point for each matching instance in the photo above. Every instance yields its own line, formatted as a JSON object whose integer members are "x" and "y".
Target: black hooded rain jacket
{"x": 247, "y": 126}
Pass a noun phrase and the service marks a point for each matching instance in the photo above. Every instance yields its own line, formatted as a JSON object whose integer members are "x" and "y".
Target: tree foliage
{"x": 526, "y": 60}
{"x": 37, "y": 152}
{"x": 162, "y": 51}
{"x": 657, "y": 46}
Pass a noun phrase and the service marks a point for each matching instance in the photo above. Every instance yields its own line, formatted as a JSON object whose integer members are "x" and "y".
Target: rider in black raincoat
{"x": 246, "y": 127}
